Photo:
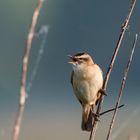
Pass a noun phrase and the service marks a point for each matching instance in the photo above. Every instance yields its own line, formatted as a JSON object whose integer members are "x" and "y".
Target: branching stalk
{"x": 122, "y": 87}
{"x": 122, "y": 32}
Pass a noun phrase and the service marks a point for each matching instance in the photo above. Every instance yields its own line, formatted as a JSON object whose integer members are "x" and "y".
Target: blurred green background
{"x": 52, "y": 112}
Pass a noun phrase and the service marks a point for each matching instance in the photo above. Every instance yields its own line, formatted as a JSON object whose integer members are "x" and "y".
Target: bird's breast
{"x": 86, "y": 84}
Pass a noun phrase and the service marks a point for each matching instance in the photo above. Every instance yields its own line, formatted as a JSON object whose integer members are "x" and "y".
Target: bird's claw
{"x": 96, "y": 116}
{"x": 103, "y": 92}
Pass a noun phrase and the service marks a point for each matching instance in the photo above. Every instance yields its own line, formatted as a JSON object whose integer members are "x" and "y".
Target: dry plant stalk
{"x": 23, "y": 93}
{"x": 122, "y": 87}
{"x": 122, "y": 32}
{"x": 110, "y": 110}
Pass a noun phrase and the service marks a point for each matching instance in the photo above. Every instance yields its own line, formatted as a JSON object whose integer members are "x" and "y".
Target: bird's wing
{"x": 98, "y": 98}
{"x": 71, "y": 80}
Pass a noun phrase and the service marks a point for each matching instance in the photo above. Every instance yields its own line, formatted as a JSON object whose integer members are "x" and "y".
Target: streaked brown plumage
{"x": 87, "y": 81}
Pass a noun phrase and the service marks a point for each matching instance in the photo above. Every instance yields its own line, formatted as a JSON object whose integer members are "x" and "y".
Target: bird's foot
{"x": 96, "y": 116}
{"x": 103, "y": 92}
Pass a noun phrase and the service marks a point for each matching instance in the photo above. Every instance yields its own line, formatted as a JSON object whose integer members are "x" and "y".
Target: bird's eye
{"x": 80, "y": 58}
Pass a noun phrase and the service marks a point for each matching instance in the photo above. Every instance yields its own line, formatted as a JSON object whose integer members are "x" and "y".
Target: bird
{"x": 87, "y": 82}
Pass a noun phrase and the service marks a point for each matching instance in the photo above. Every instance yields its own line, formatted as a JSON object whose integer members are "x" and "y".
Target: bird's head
{"x": 80, "y": 59}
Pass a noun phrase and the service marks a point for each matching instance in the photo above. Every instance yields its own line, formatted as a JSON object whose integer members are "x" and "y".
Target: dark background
{"x": 52, "y": 112}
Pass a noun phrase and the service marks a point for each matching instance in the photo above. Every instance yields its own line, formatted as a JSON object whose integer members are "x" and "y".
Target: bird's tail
{"x": 87, "y": 118}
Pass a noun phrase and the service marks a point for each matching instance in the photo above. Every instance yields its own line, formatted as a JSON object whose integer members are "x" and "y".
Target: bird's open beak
{"x": 71, "y": 61}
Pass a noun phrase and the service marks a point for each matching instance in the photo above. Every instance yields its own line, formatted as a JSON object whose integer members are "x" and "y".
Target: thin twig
{"x": 111, "y": 110}
{"x": 122, "y": 87}
{"x": 122, "y": 32}
{"x": 23, "y": 92}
